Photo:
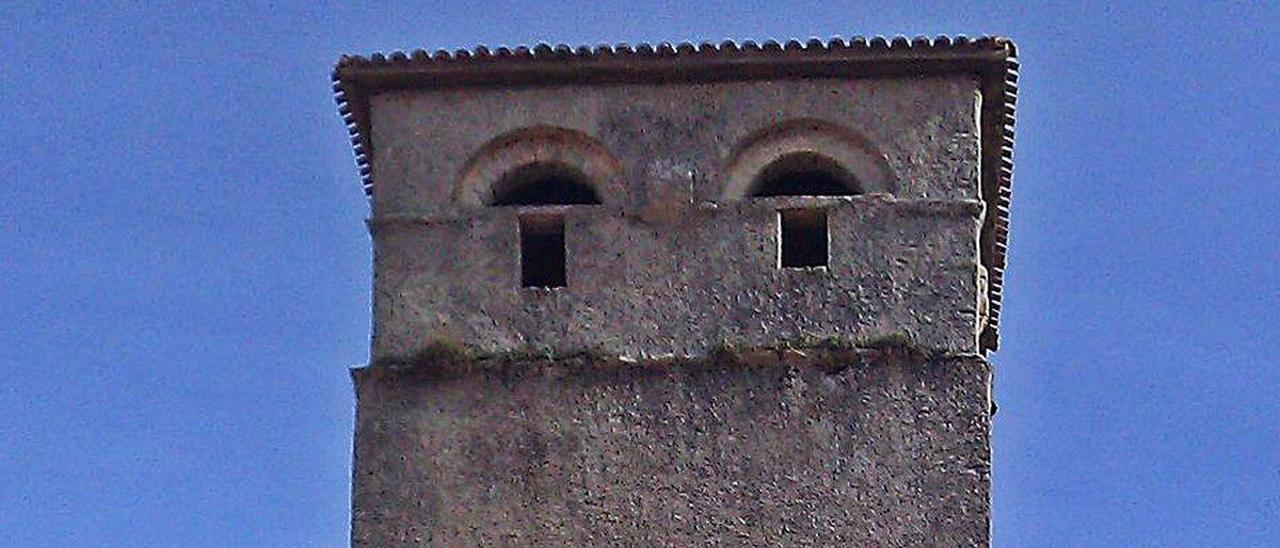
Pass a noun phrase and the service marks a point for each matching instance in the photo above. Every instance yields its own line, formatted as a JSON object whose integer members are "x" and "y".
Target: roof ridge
{"x": 545, "y": 50}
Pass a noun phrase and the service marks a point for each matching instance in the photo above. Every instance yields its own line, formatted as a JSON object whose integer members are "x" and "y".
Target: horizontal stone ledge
{"x": 445, "y": 360}
{"x": 972, "y": 208}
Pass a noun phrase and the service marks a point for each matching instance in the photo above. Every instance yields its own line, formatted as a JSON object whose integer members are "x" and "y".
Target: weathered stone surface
{"x": 702, "y": 394}
{"x": 672, "y": 262}
{"x": 926, "y": 129}
{"x": 712, "y": 279}
{"x": 827, "y": 450}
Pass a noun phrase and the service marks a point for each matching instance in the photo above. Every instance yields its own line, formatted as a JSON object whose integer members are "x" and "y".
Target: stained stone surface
{"x": 926, "y": 129}
{"x": 710, "y": 279}
{"x": 820, "y": 448}
{"x": 663, "y": 421}
{"x": 671, "y": 262}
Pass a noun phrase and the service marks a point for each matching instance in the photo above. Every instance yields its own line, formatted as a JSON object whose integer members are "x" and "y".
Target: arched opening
{"x": 544, "y": 184}
{"x": 539, "y": 165}
{"x": 804, "y": 174}
{"x": 803, "y": 238}
{"x": 806, "y": 157}
{"x": 543, "y": 256}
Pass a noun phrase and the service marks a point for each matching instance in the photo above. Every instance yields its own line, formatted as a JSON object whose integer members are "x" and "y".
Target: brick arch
{"x": 534, "y": 146}
{"x": 847, "y": 149}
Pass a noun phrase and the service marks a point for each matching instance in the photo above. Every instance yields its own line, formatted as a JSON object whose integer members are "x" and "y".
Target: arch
{"x": 503, "y": 171}
{"x": 821, "y": 152}
{"x": 804, "y": 174}
{"x": 544, "y": 183}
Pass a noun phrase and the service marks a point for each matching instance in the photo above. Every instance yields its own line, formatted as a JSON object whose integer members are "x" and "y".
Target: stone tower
{"x": 675, "y": 295}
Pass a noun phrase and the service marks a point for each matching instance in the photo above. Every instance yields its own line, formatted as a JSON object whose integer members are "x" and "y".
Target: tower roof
{"x": 992, "y": 59}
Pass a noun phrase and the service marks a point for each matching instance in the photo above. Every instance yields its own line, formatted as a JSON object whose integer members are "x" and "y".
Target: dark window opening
{"x": 544, "y": 184}
{"x": 542, "y": 254}
{"x": 803, "y": 241}
{"x": 805, "y": 174}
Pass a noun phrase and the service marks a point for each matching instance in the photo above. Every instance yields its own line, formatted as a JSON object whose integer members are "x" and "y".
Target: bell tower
{"x": 673, "y": 294}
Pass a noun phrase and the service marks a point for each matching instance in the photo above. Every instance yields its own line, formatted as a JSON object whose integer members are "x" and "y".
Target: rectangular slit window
{"x": 803, "y": 239}
{"x": 542, "y": 255}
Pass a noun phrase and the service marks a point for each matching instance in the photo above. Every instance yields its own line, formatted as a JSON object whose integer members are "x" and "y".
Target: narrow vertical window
{"x": 803, "y": 239}
{"x": 542, "y": 255}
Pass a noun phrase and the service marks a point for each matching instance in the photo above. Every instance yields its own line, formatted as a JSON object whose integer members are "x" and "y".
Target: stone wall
{"x": 816, "y": 447}
{"x": 665, "y": 418}
{"x": 925, "y": 130}
{"x": 710, "y": 279}
{"x": 675, "y": 260}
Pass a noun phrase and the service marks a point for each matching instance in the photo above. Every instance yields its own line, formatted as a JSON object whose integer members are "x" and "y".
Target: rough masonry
{"x": 685, "y": 294}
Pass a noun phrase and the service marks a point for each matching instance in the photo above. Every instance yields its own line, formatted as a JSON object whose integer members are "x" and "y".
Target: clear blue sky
{"x": 184, "y": 272}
